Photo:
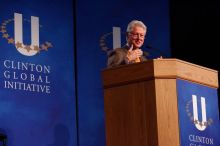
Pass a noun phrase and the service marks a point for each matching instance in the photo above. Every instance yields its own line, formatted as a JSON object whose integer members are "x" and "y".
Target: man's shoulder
{"x": 119, "y": 49}
{"x": 122, "y": 49}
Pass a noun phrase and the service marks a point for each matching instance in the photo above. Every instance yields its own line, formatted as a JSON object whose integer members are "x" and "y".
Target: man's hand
{"x": 134, "y": 54}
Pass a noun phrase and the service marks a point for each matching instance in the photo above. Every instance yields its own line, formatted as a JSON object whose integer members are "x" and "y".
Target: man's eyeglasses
{"x": 137, "y": 35}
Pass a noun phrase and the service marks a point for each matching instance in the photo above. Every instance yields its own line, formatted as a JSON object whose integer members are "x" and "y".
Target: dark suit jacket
{"x": 118, "y": 57}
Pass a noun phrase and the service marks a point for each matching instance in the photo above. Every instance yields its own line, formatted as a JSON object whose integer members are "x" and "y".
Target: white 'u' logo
{"x": 199, "y": 125}
{"x": 18, "y": 32}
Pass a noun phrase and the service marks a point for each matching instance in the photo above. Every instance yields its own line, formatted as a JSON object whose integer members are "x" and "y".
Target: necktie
{"x": 137, "y": 60}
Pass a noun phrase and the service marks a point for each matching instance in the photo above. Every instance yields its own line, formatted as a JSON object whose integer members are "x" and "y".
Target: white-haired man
{"x": 131, "y": 52}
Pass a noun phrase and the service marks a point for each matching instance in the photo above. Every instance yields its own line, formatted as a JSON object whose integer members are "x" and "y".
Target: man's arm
{"x": 116, "y": 58}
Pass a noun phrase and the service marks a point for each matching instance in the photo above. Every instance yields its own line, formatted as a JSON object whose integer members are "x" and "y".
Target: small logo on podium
{"x": 192, "y": 111}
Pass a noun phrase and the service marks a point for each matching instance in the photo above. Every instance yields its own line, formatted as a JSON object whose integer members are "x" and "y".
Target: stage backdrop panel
{"x": 37, "y": 90}
{"x": 95, "y": 20}
{"x": 198, "y": 114}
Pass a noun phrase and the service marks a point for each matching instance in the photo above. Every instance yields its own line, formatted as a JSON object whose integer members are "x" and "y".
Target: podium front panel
{"x": 198, "y": 114}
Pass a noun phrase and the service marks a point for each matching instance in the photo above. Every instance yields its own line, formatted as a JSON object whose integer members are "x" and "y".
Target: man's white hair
{"x": 134, "y": 23}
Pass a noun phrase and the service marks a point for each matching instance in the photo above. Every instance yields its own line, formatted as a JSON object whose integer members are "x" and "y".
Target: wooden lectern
{"x": 141, "y": 106}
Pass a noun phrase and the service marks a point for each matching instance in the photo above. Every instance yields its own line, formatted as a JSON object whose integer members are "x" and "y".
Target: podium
{"x": 143, "y": 100}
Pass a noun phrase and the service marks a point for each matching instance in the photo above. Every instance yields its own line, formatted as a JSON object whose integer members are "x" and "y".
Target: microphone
{"x": 145, "y": 53}
{"x": 161, "y": 53}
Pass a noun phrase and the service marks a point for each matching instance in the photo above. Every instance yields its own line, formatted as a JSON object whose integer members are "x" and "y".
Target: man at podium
{"x": 131, "y": 52}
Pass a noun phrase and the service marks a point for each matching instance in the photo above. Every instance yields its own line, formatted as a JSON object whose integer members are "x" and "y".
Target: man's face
{"x": 136, "y": 37}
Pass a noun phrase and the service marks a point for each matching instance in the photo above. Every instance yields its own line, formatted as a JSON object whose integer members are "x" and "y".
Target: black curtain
{"x": 195, "y": 32}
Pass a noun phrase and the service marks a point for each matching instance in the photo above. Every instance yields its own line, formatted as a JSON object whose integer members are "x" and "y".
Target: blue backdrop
{"x": 50, "y": 117}
{"x": 40, "y": 117}
{"x": 95, "y": 19}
